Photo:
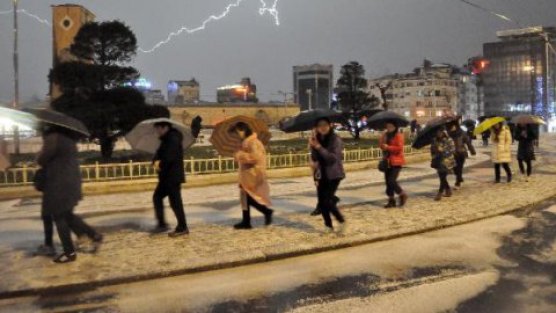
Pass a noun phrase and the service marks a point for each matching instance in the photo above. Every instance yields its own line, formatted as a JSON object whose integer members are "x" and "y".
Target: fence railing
{"x": 141, "y": 170}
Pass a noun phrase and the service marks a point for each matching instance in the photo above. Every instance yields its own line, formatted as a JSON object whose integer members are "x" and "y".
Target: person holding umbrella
{"x": 392, "y": 145}
{"x": 501, "y": 153}
{"x": 61, "y": 187}
{"x": 254, "y": 188}
{"x": 463, "y": 147}
{"x": 525, "y": 136}
{"x": 326, "y": 154}
{"x": 442, "y": 155}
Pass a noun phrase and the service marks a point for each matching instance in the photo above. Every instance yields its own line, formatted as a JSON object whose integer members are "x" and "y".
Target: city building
{"x": 430, "y": 91}
{"x": 521, "y": 74}
{"x": 67, "y": 20}
{"x": 244, "y": 91}
{"x": 468, "y": 96}
{"x": 183, "y": 92}
{"x": 152, "y": 96}
{"x": 313, "y": 86}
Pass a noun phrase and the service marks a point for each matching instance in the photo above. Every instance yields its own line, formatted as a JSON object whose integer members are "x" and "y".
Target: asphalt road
{"x": 503, "y": 264}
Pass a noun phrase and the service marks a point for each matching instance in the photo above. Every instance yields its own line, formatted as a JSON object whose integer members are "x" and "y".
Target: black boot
{"x": 391, "y": 203}
{"x": 246, "y": 222}
{"x": 268, "y": 217}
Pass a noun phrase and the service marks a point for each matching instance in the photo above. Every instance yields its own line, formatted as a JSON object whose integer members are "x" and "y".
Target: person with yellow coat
{"x": 501, "y": 154}
{"x": 253, "y": 182}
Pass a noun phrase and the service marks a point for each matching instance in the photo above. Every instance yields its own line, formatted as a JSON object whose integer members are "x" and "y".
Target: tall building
{"x": 313, "y": 86}
{"x": 521, "y": 74}
{"x": 67, "y": 20}
{"x": 243, "y": 92}
{"x": 468, "y": 96}
{"x": 428, "y": 92}
{"x": 183, "y": 92}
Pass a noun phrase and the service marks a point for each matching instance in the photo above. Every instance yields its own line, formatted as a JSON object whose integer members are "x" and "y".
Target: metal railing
{"x": 141, "y": 170}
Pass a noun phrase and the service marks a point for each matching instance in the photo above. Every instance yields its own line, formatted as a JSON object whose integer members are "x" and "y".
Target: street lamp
{"x": 16, "y": 76}
{"x": 310, "y": 95}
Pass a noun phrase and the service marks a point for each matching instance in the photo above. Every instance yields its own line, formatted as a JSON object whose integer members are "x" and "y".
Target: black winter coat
{"x": 462, "y": 143}
{"x": 526, "y": 143}
{"x": 170, "y": 156}
{"x": 61, "y": 184}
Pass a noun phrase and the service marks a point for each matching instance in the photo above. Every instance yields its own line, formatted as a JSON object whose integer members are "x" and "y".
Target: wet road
{"x": 504, "y": 264}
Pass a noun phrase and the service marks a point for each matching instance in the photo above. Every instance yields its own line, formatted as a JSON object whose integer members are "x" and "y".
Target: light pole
{"x": 16, "y": 77}
{"x": 310, "y": 96}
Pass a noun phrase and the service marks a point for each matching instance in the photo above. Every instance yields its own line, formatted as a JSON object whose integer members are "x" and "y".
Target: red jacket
{"x": 394, "y": 150}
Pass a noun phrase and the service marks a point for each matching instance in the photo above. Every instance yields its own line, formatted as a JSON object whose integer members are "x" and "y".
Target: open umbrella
{"x": 528, "y": 119}
{"x": 19, "y": 117}
{"x": 470, "y": 124}
{"x": 55, "y": 118}
{"x": 487, "y": 124}
{"x": 379, "y": 120}
{"x": 426, "y": 136}
{"x": 306, "y": 120}
{"x": 143, "y": 136}
{"x": 227, "y": 143}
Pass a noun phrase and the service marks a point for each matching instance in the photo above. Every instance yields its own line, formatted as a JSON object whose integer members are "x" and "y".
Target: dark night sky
{"x": 385, "y": 35}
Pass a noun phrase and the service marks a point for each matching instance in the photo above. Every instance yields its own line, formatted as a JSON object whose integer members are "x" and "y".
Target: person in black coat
{"x": 526, "y": 137}
{"x": 169, "y": 163}
{"x": 61, "y": 188}
{"x": 463, "y": 146}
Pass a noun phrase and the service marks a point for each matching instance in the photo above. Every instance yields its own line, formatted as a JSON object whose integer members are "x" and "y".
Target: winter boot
{"x": 403, "y": 199}
{"x": 438, "y": 197}
{"x": 268, "y": 217}
{"x": 246, "y": 222}
{"x": 391, "y": 203}
{"x": 448, "y": 193}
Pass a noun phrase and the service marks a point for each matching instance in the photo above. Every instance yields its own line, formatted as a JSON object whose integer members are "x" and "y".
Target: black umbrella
{"x": 379, "y": 120}
{"x": 52, "y": 117}
{"x": 306, "y": 120}
{"x": 426, "y": 136}
{"x": 469, "y": 124}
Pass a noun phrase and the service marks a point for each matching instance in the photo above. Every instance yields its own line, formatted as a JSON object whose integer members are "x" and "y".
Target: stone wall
{"x": 214, "y": 113}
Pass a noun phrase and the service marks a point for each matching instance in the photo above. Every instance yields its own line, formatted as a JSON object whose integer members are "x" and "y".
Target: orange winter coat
{"x": 252, "y": 171}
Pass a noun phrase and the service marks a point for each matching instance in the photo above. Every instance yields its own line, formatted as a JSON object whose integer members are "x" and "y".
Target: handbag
{"x": 39, "y": 179}
{"x": 383, "y": 165}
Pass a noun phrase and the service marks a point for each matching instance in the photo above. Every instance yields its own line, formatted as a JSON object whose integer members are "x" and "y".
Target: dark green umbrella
{"x": 306, "y": 120}
{"x": 379, "y": 120}
{"x": 426, "y": 136}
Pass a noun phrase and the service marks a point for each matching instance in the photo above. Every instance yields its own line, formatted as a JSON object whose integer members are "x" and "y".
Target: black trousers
{"x": 529, "y": 164}
{"x": 326, "y": 192}
{"x": 507, "y": 169}
{"x": 458, "y": 169}
{"x": 391, "y": 178}
{"x": 173, "y": 192}
{"x": 67, "y": 222}
{"x": 48, "y": 227}
{"x": 444, "y": 184}
{"x": 259, "y": 207}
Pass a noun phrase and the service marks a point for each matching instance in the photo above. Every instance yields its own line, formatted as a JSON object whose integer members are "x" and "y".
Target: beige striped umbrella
{"x": 227, "y": 143}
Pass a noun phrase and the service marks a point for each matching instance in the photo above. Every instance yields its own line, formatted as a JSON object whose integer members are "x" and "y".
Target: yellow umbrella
{"x": 487, "y": 124}
{"x": 227, "y": 143}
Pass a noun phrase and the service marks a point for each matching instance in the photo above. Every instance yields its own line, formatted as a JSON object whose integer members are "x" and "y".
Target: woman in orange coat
{"x": 253, "y": 183}
{"x": 392, "y": 145}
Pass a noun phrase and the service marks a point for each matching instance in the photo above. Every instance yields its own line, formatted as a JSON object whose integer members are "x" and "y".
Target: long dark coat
{"x": 526, "y": 143}
{"x": 170, "y": 156}
{"x": 329, "y": 158}
{"x": 62, "y": 179}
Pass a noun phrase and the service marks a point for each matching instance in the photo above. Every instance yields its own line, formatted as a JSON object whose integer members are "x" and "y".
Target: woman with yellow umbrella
{"x": 244, "y": 139}
{"x": 501, "y": 138}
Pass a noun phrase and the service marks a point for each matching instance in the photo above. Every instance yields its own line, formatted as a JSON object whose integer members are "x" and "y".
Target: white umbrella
{"x": 143, "y": 137}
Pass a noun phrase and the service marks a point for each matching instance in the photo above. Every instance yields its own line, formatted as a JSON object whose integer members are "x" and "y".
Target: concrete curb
{"x": 264, "y": 257}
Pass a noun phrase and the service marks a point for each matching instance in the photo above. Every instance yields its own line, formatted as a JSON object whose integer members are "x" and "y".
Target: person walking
{"x": 501, "y": 154}
{"x": 442, "y": 154}
{"x": 326, "y": 154}
{"x": 525, "y": 136}
{"x": 486, "y": 135}
{"x": 463, "y": 146}
{"x": 61, "y": 187}
{"x": 253, "y": 182}
{"x": 392, "y": 145}
{"x": 168, "y": 161}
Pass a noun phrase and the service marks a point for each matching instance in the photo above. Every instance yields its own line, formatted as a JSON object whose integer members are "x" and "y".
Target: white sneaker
{"x": 327, "y": 230}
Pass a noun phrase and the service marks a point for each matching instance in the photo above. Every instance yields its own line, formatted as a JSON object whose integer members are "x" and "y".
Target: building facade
{"x": 242, "y": 92}
{"x": 67, "y": 20}
{"x": 468, "y": 96}
{"x": 520, "y": 77}
{"x": 183, "y": 92}
{"x": 429, "y": 91}
{"x": 313, "y": 86}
